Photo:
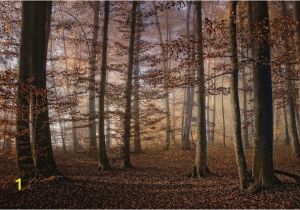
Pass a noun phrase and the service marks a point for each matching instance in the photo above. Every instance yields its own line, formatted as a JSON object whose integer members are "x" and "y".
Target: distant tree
{"x": 128, "y": 91}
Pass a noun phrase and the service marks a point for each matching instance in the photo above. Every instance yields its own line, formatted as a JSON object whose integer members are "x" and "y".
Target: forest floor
{"x": 157, "y": 181}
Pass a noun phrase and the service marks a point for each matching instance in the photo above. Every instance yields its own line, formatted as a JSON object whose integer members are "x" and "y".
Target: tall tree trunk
{"x": 136, "y": 84}
{"x": 208, "y": 107}
{"x": 188, "y": 104}
{"x": 128, "y": 93}
{"x": 103, "y": 160}
{"x": 174, "y": 117}
{"x": 234, "y": 86}
{"x": 23, "y": 146}
{"x": 200, "y": 167}
{"x": 213, "y": 123}
{"x": 45, "y": 164}
{"x": 92, "y": 85}
{"x": 285, "y": 125}
{"x": 166, "y": 71}
{"x": 263, "y": 174}
{"x": 223, "y": 116}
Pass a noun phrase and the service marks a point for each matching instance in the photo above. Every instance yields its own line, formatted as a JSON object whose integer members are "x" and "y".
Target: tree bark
{"x": 45, "y": 164}
{"x": 128, "y": 93}
{"x": 92, "y": 85}
{"x": 103, "y": 160}
{"x": 200, "y": 165}
{"x": 136, "y": 84}
{"x": 223, "y": 117}
{"x": 263, "y": 174}
{"x": 234, "y": 85}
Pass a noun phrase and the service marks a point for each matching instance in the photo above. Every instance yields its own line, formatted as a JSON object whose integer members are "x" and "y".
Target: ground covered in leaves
{"x": 157, "y": 181}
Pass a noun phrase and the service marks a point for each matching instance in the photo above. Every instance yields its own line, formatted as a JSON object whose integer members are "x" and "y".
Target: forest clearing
{"x": 158, "y": 181}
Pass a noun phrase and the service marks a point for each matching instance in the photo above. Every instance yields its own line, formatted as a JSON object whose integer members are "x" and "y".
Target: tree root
{"x": 293, "y": 176}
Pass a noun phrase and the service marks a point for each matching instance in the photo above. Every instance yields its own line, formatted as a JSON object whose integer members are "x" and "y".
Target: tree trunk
{"x": 103, "y": 160}
{"x": 108, "y": 129}
{"x": 23, "y": 146}
{"x": 200, "y": 167}
{"x": 92, "y": 85}
{"x": 239, "y": 151}
{"x": 263, "y": 174}
{"x": 189, "y": 99}
{"x": 223, "y": 116}
{"x": 45, "y": 164}
{"x": 128, "y": 93}
{"x": 213, "y": 123}
{"x": 136, "y": 84}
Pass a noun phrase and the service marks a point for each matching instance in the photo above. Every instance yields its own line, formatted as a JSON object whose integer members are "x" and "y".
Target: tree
{"x": 200, "y": 168}
{"x": 128, "y": 91}
{"x": 263, "y": 174}
{"x": 239, "y": 151}
{"x": 103, "y": 160}
{"x": 92, "y": 86}
{"x": 136, "y": 97}
{"x": 36, "y": 17}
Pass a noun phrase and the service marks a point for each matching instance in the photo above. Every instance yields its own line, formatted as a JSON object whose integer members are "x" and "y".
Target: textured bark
{"x": 213, "y": 123}
{"x": 200, "y": 166}
{"x": 92, "y": 85}
{"x": 165, "y": 67}
{"x": 263, "y": 174}
{"x": 103, "y": 160}
{"x": 128, "y": 93}
{"x": 234, "y": 85}
{"x": 208, "y": 108}
{"x": 45, "y": 164}
{"x": 136, "y": 83}
{"x": 108, "y": 128}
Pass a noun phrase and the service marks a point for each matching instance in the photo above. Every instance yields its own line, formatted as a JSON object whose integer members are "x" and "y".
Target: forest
{"x": 149, "y": 104}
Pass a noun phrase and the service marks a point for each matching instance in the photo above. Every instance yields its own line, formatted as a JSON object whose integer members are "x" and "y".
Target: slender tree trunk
{"x": 208, "y": 108}
{"x": 92, "y": 85}
{"x": 285, "y": 125}
{"x": 174, "y": 117}
{"x": 234, "y": 85}
{"x": 263, "y": 174}
{"x": 213, "y": 123}
{"x": 166, "y": 71}
{"x": 223, "y": 116}
{"x": 185, "y": 141}
{"x": 200, "y": 167}
{"x": 136, "y": 84}
{"x": 128, "y": 93}
{"x": 103, "y": 160}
